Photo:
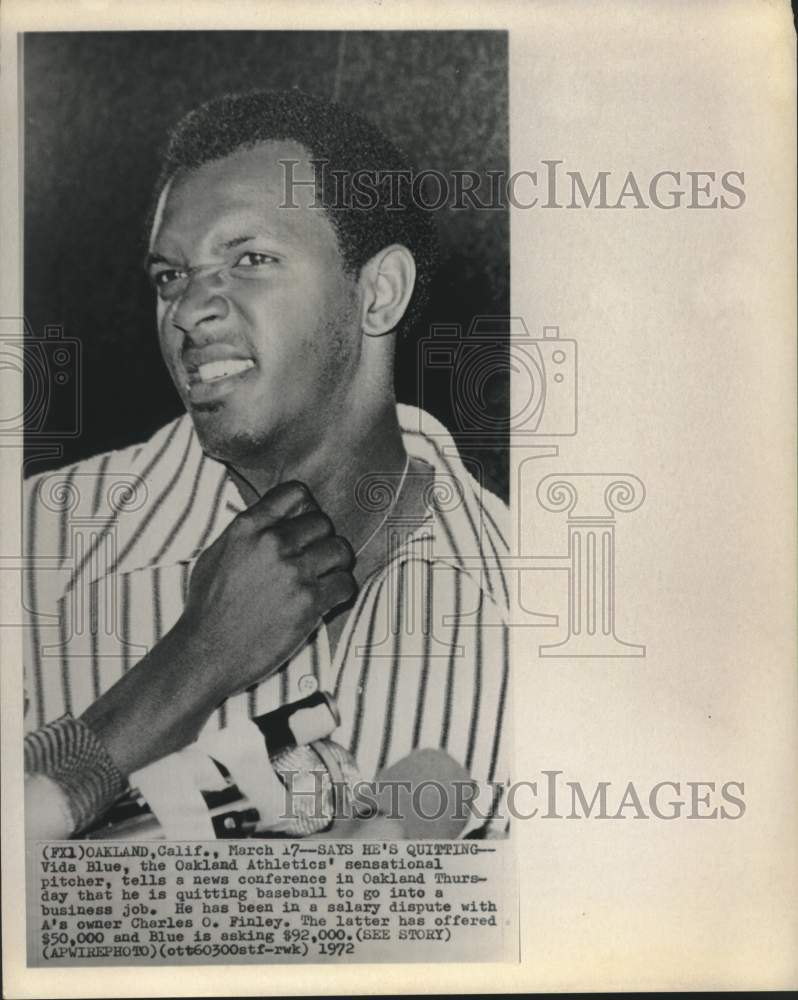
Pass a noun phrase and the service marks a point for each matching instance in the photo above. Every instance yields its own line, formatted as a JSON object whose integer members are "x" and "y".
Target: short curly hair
{"x": 344, "y": 145}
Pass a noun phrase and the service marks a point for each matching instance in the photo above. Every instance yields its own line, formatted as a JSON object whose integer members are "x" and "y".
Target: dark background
{"x": 97, "y": 110}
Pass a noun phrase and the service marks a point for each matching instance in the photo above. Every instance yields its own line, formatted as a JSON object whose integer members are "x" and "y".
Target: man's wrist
{"x": 184, "y": 651}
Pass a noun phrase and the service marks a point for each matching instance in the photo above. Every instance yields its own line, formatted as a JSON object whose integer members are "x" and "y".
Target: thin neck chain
{"x": 390, "y": 509}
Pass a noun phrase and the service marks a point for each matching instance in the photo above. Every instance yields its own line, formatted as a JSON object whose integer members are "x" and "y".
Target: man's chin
{"x": 224, "y": 439}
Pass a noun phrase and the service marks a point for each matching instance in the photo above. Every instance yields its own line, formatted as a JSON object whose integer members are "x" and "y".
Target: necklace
{"x": 389, "y": 511}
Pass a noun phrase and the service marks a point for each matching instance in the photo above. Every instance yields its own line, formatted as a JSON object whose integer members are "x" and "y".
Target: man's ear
{"x": 387, "y": 282}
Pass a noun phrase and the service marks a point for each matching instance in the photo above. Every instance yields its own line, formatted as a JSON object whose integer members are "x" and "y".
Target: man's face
{"x": 257, "y": 319}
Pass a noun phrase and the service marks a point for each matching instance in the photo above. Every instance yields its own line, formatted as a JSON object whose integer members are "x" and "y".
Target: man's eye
{"x": 254, "y": 259}
{"x": 161, "y": 279}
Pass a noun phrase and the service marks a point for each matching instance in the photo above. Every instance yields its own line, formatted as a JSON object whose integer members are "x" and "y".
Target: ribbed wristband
{"x": 69, "y": 753}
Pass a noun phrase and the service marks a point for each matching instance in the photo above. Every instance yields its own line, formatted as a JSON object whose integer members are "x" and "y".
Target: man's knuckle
{"x": 343, "y": 587}
{"x": 344, "y": 549}
{"x": 298, "y": 491}
{"x": 324, "y": 522}
{"x": 294, "y": 574}
{"x": 306, "y": 597}
{"x": 270, "y": 545}
{"x": 243, "y": 524}
{"x": 280, "y": 538}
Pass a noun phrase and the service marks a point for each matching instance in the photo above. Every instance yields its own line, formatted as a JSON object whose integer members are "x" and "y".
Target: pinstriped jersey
{"x": 422, "y": 661}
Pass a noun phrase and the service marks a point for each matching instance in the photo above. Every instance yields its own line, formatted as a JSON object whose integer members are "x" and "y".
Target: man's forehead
{"x": 265, "y": 180}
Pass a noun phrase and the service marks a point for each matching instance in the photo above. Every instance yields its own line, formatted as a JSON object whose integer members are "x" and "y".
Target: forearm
{"x": 159, "y": 706}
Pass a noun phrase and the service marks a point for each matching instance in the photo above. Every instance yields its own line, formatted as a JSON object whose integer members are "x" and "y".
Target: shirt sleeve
{"x": 73, "y": 758}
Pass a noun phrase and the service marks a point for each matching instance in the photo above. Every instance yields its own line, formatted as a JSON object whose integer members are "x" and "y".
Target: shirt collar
{"x": 191, "y": 498}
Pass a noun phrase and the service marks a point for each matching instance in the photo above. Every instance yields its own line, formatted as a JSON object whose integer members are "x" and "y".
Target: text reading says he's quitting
{"x": 247, "y": 902}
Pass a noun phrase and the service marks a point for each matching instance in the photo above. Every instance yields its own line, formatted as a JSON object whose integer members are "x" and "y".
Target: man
{"x": 286, "y": 534}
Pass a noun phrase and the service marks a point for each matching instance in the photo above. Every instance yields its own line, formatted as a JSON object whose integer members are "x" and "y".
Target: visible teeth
{"x": 213, "y": 370}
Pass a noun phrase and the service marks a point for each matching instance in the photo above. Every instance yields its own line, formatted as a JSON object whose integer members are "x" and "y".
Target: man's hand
{"x": 259, "y": 591}
{"x": 255, "y": 596}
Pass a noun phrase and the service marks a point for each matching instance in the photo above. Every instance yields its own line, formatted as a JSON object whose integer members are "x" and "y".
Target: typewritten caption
{"x": 259, "y": 902}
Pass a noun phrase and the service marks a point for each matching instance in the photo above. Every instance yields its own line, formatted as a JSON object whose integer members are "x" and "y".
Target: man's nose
{"x": 201, "y": 303}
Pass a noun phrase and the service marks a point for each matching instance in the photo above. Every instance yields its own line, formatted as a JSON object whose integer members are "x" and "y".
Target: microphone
{"x": 425, "y": 795}
{"x": 428, "y": 790}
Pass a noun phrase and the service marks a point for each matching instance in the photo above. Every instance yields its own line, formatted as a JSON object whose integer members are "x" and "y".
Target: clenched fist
{"x": 255, "y": 596}
{"x": 259, "y": 591}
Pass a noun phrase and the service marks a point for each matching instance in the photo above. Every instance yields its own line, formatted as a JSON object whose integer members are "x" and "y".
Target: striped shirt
{"x": 423, "y": 658}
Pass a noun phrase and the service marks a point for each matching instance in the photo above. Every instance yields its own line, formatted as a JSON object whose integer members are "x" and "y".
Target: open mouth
{"x": 214, "y": 371}
{"x": 213, "y": 381}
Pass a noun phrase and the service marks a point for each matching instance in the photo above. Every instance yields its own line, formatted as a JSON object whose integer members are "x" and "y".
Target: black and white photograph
{"x": 278, "y": 584}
